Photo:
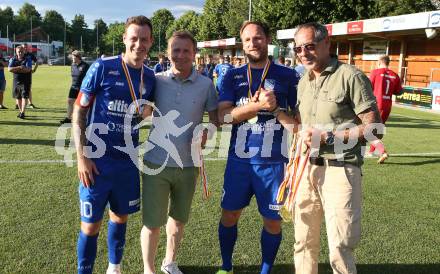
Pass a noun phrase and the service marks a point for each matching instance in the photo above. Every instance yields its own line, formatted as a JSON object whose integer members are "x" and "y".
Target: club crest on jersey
{"x": 269, "y": 84}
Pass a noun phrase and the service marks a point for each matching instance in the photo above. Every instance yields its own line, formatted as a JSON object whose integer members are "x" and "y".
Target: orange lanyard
{"x": 130, "y": 84}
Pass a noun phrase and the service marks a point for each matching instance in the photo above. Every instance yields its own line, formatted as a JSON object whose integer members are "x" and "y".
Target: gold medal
{"x": 285, "y": 214}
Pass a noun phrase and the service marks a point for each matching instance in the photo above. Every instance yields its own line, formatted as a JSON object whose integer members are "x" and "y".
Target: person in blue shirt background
{"x": 255, "y": 98}
{"x": 109, "y": 93}
{"x": 21, "y": 67}
{"x": 209, "y": 67}
{"x": 221, "y": 69}
{"x": 3, "y": 64}
{"x": 161, "y": 66}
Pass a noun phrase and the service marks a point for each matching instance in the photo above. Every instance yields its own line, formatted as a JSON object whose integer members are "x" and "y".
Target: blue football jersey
{"x": 106, "y": 82}
{"x": 263, "y": 141}
{"x": 221, "y": 70}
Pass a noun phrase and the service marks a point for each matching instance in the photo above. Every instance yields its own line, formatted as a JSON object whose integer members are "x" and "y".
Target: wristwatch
{"x": 276, "y": 111}
{"x": 330, "y": 138}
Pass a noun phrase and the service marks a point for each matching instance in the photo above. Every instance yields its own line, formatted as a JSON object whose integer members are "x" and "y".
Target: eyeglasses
{"x": 308, "y": 47}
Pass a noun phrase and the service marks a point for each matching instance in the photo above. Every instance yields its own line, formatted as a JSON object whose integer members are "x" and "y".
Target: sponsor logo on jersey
{"x": 242, "y": 84}
{"x": 118, "y": 106}
{"x": 239, "y": 76}
{"x": 114, "y": 72}
{"x": 120, "y": 84}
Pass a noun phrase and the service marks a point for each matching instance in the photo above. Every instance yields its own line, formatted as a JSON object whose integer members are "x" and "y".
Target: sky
{"x": 109, "y": 10}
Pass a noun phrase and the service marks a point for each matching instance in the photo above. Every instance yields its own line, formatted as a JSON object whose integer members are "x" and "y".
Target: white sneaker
{"x": 113, "y": 270}
{"x": 170, "y": 268}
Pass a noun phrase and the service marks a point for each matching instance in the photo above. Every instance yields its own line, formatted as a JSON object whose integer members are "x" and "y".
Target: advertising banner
{"x": 421, "y": 97}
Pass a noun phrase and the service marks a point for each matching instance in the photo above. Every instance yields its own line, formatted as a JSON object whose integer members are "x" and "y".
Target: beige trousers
{"x": 336, "y": 194}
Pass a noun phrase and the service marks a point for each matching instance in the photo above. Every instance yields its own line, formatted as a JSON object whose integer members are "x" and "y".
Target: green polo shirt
{"x": 333, "y": 101}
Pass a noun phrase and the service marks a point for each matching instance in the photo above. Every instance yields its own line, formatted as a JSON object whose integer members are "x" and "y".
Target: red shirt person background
{"x": 385, "y": 83}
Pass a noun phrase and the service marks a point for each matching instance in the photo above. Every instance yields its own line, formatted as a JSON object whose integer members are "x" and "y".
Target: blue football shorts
{"x": 243, "y": 180}
{"x": 117, "y": 185}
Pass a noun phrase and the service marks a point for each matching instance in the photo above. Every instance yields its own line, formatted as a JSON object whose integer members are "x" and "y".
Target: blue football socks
{"x": 269, "y": 249}
{"x": 227, "y": 237}
{"x": 86, "y": 251}
{"x": 116, "y": 241}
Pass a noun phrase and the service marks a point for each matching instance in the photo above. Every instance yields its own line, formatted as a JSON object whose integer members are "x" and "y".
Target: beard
{"x": 262, "y": 57}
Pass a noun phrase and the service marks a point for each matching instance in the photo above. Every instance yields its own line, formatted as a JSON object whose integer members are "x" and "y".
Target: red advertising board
{"x": 329, "y": 29}
{"x": 355, "y": 27}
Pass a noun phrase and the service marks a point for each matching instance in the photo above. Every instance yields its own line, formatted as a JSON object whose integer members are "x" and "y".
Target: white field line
{"x": 416, "y": 118}
{"x": 206, "y": 159}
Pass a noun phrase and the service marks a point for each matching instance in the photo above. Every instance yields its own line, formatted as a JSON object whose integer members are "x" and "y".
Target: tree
{"x": 53, "y": 24}
{"x": 237, "y": 12}
{"x": 22, "y": 22}
{"x": 211, "y": 23}
{"x": 6, "y": 19}
{"x": 189, "y": 21}
{"x": 78, "y": 32}
{"x": 100, "y": 29}
{"x": 350, "y": 10}
{"x": 397, "y": 7}
{"x": 291, "y": 13}
{"x": 114, "y": 37}
{"x": 161, "y": 20}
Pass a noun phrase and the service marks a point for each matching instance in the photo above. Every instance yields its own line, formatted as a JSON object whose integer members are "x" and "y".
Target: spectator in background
{"x": 21, "y": 68}
{"x": 209, "y": 68}
{"x": 221, "y": 69}
{"x": 30, "y": 56}
{"x": 78, "y": 71}
{"x": 161, "y": 66}
{"x": 3, "y": 64}
{"x": 300, "y": 69}
{"x": 147, "y": 61}
{"x": 237, "y": 62}
{"x": 288, "y": 63}
{"x": 385, "y": 83}
{"x": 201, "y": 69}
{"x": 282, "y": 60}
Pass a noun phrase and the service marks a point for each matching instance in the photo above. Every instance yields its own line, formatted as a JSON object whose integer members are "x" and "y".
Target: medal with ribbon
{"x": 138, "y": 115}
{"x": 249, "y": 79}
{"x": 203, "y": 177}
{"x": 294, "y": 172}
